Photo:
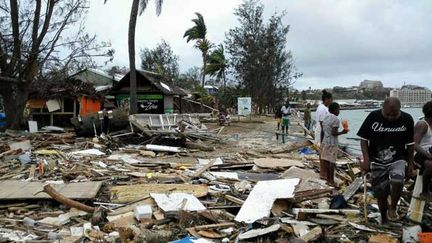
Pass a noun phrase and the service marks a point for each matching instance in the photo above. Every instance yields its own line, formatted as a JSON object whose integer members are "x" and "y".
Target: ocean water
{"x": 355, "y": 119}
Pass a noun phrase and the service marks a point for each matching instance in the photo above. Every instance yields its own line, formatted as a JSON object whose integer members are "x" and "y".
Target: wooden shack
{"x": 155, "y": 94}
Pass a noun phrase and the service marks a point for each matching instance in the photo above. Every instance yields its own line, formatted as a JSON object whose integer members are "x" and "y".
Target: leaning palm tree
{"x": 138, "y": 7}
{"x": 217, "y": 64}
{"x": 198, "y": 33}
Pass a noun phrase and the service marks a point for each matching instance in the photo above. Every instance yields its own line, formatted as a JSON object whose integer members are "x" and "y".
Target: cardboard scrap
{"x": 122, "y": 219}
{"x": 382, "y": 238}
{"x": 261, "y": 199}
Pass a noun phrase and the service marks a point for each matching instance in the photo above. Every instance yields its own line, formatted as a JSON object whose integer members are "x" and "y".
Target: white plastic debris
{"x": 217, "y": 161}
{"x": 125, "y": 158}
{"x": 261, "y": 199}
{"x": 225, "y": 175}
{"x": 177, "y": 201}
{"x": 143, "y": 212}
{"x": 410, "y": 234}
{"x": 162, "y": 148}
{"x": 87, "y": 152}
{"x": 77, "y": 231}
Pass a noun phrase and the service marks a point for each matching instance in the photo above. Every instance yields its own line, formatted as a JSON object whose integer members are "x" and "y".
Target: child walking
{"x": 329, "y": 141}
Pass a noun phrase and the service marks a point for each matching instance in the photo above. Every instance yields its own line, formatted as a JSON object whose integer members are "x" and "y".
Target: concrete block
{"x": 143, "y": 212}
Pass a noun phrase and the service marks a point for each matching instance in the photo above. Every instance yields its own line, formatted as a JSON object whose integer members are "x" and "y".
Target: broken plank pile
{"x": 55, "y": 186}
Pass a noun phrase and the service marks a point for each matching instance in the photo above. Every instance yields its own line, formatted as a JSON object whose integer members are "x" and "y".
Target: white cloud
{"x": 334, "y": 42}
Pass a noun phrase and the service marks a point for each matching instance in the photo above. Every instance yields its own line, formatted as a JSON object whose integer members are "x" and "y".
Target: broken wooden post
{"x": 48, "y": 189}
{"x": 203, "y": 169}
{"x": 313, "y": 235}
{"x": 352, "y": 188}
{"x": 10, "y": 152}
{"x": 365, "y": 197}
{"x": 415, "y": 211}
{"x": 306, "y": 130}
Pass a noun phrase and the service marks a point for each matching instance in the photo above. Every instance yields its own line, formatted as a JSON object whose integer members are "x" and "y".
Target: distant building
{"x": 345, "y": 90}
{"x": 370, "y": 85}
{"x": 211, "y": 89}
{"x": 412, "y": 96}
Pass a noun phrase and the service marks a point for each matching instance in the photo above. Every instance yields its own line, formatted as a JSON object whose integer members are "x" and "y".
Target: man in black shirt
{"x": 387, "y": 143}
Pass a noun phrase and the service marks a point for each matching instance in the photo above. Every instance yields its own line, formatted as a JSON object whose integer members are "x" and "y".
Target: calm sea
{"x": 355, "y": 119}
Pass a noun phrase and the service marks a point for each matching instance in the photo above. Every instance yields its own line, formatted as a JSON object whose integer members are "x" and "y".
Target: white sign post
{"x": 244, "y": 106}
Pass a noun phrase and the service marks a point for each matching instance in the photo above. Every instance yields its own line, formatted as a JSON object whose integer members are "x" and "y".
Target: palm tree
{"x": 217, "y": 64}
{"x": 198, "y": 34}
{"x": 138, "y": 7}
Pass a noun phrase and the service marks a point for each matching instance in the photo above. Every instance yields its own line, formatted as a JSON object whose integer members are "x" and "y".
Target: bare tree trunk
{"x": 224, "y": 81}
{"x": 204, "y": 68}
{"x": 14, "y": 103}
{"x": 131, "y": 42}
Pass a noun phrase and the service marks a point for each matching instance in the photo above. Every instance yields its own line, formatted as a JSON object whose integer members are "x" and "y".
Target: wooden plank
{"x": 312, "y": 235}
{"x": 312, "y": 210}
{"x": 277, "y": 163}
{"x": 32, "y": 172}
{"x": 258, "y": 232}
{"x": 21, "y": 190}
{"x": 203, "y": 169}
{"x": 234, "y": 199}
{"x": 353, "y": 188}
{"x": 123, "y": 194}
{"x": 213, "y": 226}
{"x": 311, "y": 194}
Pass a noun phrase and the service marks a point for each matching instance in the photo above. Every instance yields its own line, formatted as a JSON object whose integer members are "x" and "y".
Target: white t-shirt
{"x": 320, "y": 114}
{"x": 286, "y": 110}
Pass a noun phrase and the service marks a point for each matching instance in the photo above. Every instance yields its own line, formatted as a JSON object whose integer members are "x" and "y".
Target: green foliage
{"x": 228, "y": 97}
{"x": 259, "y": 59}
{"x": 198, "y": 34}
{"x": 190, "y": 79}
{"x": 161, "y": 60}
{"x": 198, "y": 31}
{"x": 200, "y": 92}
{"x": 217, "y": 64}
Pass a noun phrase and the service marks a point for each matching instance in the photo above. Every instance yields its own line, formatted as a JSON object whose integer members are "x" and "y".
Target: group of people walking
{"x": 389, "y": 141}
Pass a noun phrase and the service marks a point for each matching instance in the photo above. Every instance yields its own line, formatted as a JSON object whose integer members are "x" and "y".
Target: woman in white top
{"x": 423, "y": 148}
{"x": 321, "y": 113}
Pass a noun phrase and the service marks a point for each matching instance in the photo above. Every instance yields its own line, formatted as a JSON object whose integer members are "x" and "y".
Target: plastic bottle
{"x": 345, "y": 124}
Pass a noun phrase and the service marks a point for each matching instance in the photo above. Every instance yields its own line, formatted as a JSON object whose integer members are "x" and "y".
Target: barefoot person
{"x": 423, "y": 148}
{"x": 320, "y": 113}
{"x": 329, "y": 142}
{"x": 387, "y": 144}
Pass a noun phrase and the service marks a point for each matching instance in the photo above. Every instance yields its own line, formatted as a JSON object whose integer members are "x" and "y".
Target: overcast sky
{"x": 334, "y": 42}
